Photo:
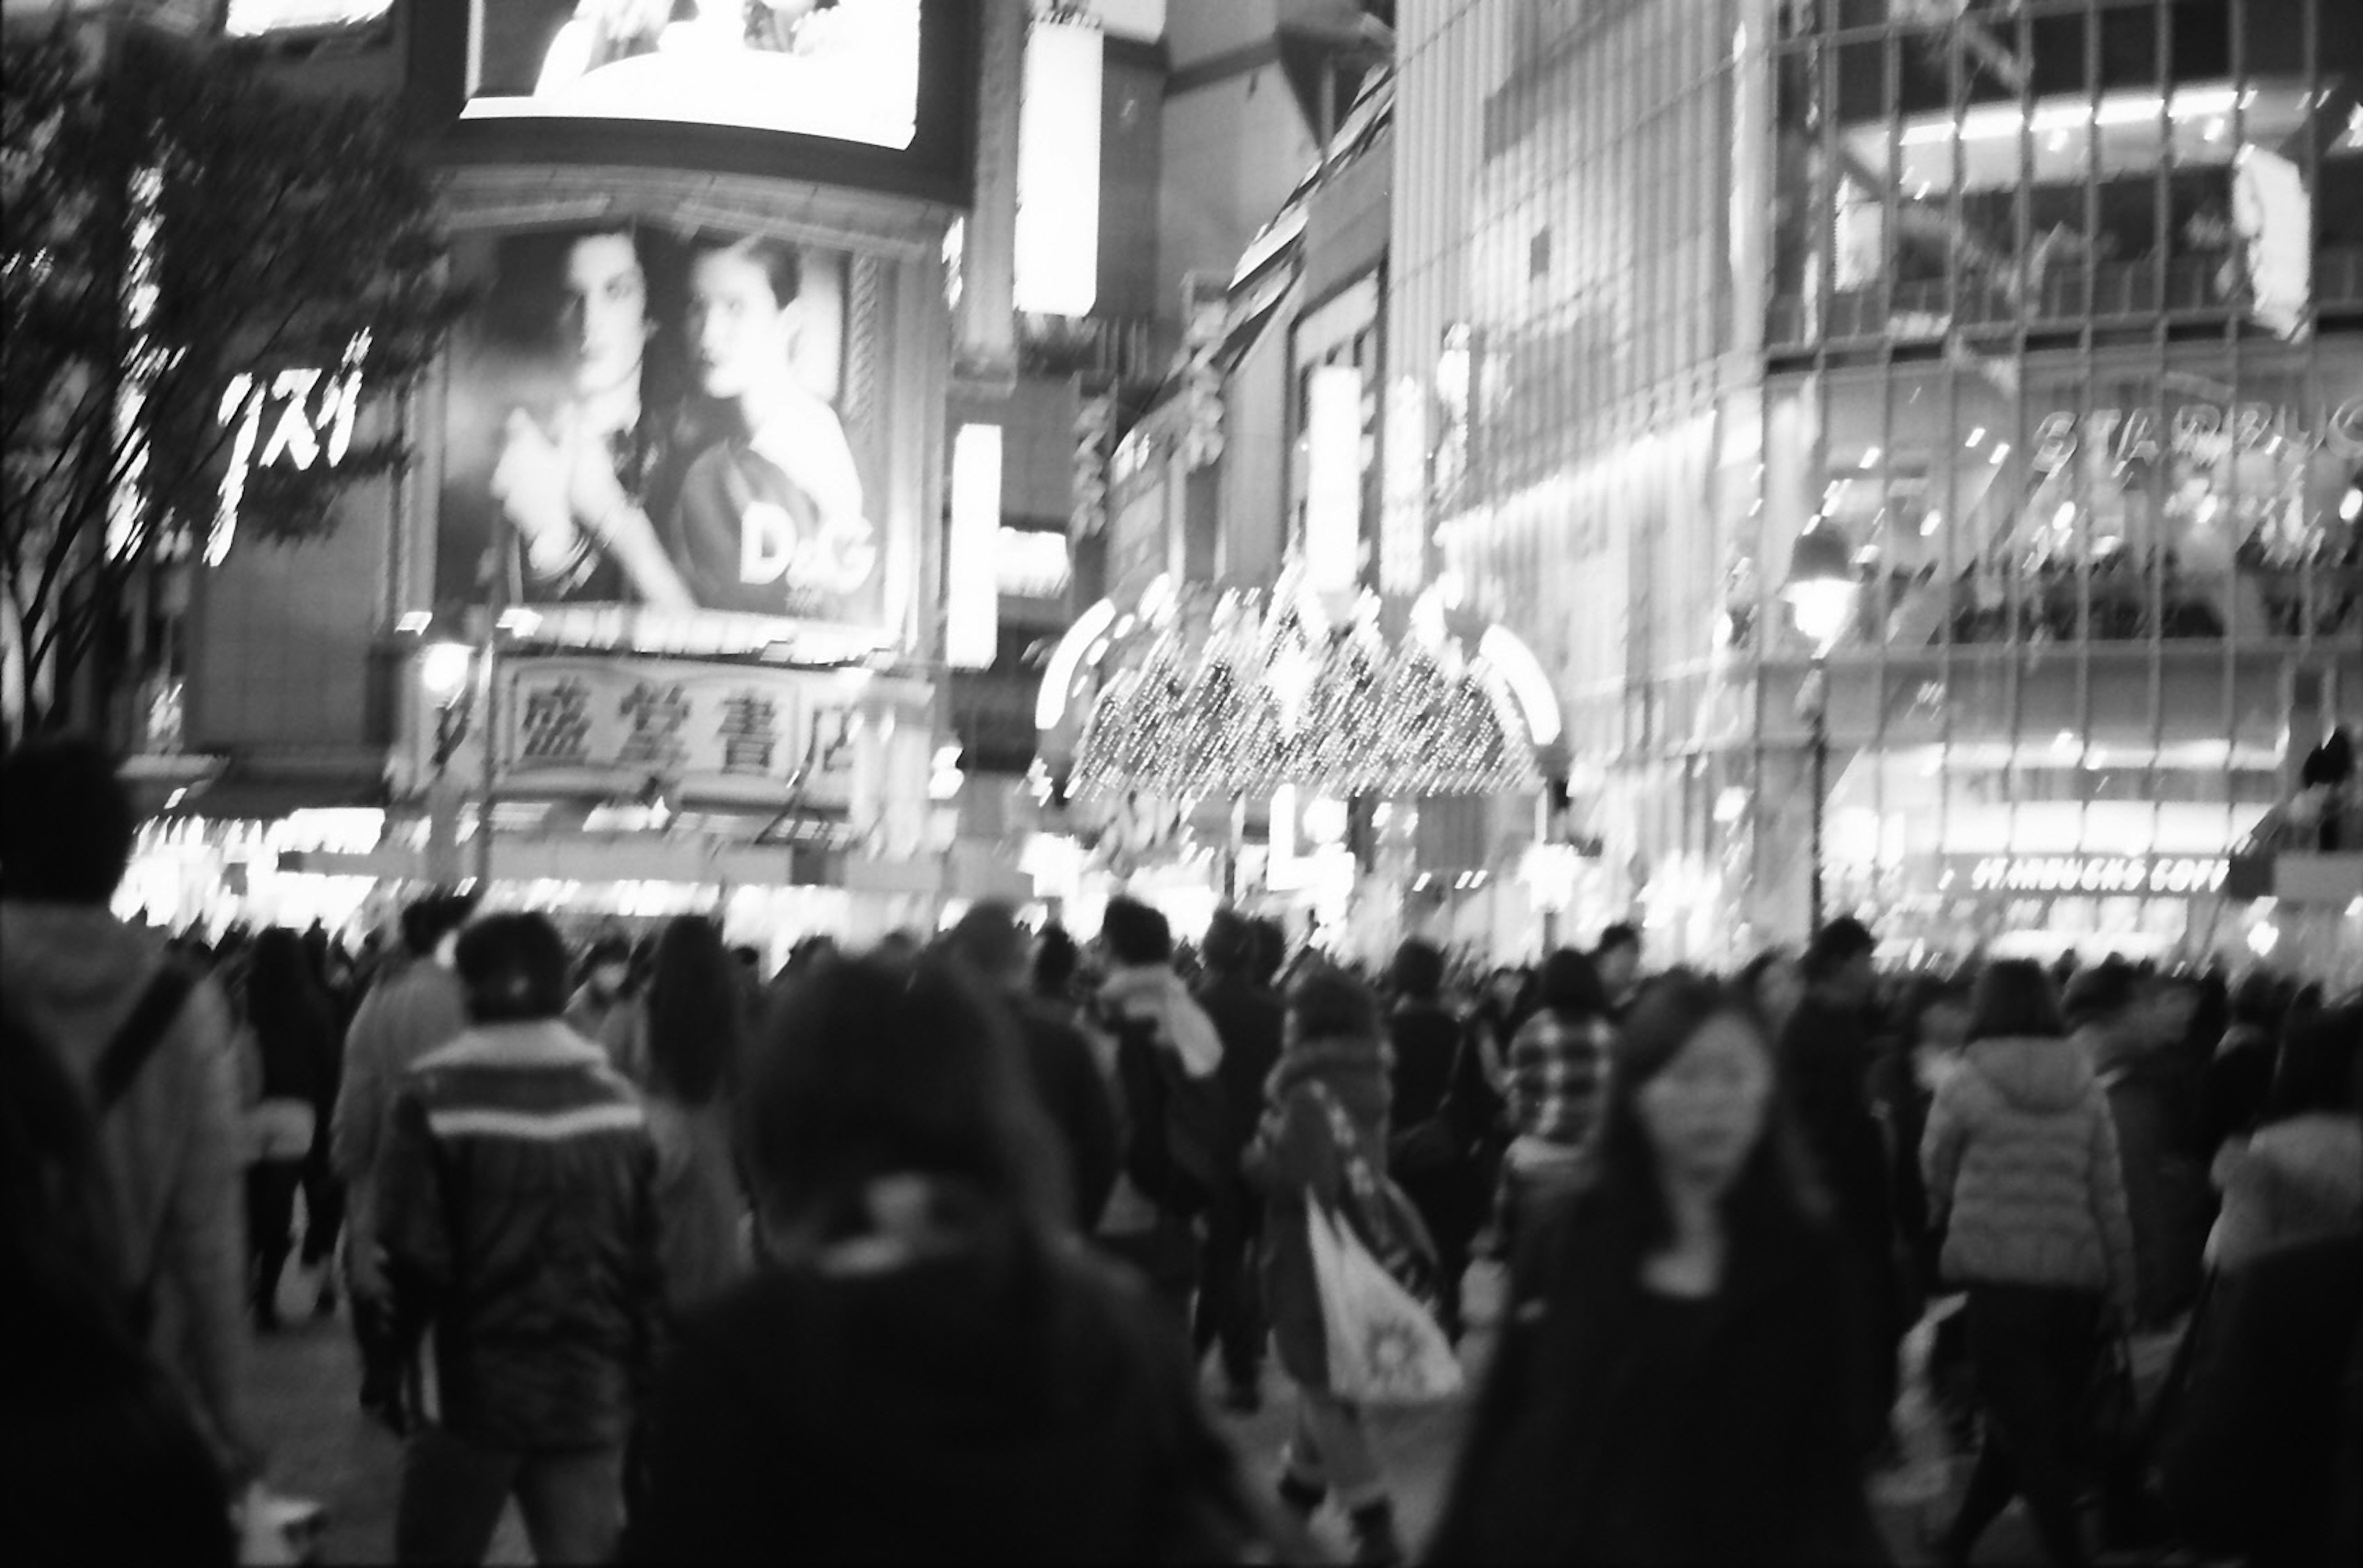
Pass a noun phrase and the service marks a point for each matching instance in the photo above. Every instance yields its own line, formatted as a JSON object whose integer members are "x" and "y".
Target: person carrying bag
{"x": 1377, "y": 1299}
{"x": 1345, "y": 1259}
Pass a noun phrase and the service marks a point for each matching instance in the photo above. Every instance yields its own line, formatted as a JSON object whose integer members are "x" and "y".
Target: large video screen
{"x": 665, "y": 422}
{"x": 844, "y": 70}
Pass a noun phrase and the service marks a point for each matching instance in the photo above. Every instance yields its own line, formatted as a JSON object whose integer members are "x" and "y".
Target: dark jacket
{"x": 1618, "y": 1426}
{"x": 1294, "y": 1160}
{"x": 2166, "y": 1189}
{"x": 1067, "y": 1079}
{"x": 1826, "y": 1053}
{"x": 298, "y": 1049}
{"x": 1443, "y": 1113}
{"x": 518, "y": 1209}
{"x": 2263, "y": 1448}
{"x": 984, "y": 1394}
{"x": 1248, "y": 1016}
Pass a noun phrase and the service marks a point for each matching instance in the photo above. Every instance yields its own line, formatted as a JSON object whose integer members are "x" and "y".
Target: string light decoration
{"x": 1258, "y": 698}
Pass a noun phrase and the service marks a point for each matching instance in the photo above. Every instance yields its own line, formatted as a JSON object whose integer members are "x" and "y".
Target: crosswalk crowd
{"x": 925, "y": 1250}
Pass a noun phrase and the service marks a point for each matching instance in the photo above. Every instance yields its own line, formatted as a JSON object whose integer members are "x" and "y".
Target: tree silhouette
{"x": 170, "y": 221}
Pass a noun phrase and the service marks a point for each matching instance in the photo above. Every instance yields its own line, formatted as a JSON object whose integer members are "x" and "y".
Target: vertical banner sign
{"x": 1058, "y": 168}
{"x": 1333, "y": 478}
{"x": 971, "y": 581}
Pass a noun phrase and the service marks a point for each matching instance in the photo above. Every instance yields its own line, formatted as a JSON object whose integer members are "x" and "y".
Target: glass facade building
{"x": 2051, "y": 310}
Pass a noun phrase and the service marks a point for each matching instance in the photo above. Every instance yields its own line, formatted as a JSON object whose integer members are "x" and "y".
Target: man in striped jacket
{"x": 517, "y": 1201}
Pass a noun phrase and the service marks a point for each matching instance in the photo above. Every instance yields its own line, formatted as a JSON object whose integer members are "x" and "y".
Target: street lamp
{"x": 1821, "y": 591}
{"x": 443, "y": 672}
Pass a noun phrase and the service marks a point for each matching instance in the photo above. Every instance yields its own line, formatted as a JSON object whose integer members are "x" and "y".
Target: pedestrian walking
{"x": 1247, "y": 1013}
{"x": 1828, "y": 1049}
{"x": 1168, "y": 1062}
{"x": 927, "y": 1369}
{"x": 691, "y": 1024}
{"x": 517, "y": 1210}
{"x": 2022, "y": 1180}
{"x": 1617, "y": 958}
{"x": 2299, "y": 1176}
{"x": 285, "y": 1043}
{"x": 409, "y": 1012}
{"x": 148, "y": 1045}
{"x": 1060, "y": 1066}
{"x": 1327, "y": 1108}
{"x": 1442, "y": 1109}
{"x": 104, "y": 1459}
{"x": 1677, "y": 1380}
{"x": 1558, "y": 1082}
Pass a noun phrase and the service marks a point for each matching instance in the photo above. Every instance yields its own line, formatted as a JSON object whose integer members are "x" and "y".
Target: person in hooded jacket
{"x": 1333, "y": 1069}
{"x": 928, "y": 1368}
{"x": 2021, "y": 1164}
{"x": 167, "y": 1145}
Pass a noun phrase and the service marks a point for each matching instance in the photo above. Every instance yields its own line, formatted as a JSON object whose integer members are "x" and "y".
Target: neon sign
{"x": 316, "y": 410}
{"x": 2098, "y": 873}
{"x": 2205, "y": 433}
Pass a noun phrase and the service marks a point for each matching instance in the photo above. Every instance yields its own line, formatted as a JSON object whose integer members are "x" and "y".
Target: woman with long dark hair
{"x": 2024, "y": 1183}
{"x": 1679, "y": 1370}
{"x": 692, "y": 1023}
{"x": 291, "y": 1047}
{"x": 927, "y": 1368}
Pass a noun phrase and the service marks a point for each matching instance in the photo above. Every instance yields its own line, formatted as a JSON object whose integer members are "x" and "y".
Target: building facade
{"x": 2049, "y": 314}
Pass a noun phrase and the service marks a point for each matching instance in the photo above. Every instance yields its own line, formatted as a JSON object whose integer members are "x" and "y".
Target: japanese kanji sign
{"x": 576, "y": 720}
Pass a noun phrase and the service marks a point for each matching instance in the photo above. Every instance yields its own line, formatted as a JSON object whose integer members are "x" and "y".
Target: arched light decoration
{"x": 1501, "y": 650}
{"x": 1050, "y": 701}
{"x": 1275, "y": 688}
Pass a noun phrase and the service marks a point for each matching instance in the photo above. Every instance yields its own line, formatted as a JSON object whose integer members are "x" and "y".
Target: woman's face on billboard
{"x": 740, "y": 332}
{"x": 606, "y": 316}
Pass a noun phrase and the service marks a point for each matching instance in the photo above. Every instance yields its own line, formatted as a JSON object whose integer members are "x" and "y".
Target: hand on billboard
{"x": 602, "y": 507}
{"x": 529, "y": 481}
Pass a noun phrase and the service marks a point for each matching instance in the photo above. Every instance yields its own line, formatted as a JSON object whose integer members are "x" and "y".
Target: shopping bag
{"x": 1384, "y": 1347}
{"x": 274, "y": 1531}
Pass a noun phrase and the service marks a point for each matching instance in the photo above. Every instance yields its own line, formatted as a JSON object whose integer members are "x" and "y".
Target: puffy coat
{"x": 516, "y": 1202}
{"x": 2021, "y": 1161}
{"x": 2298, "y": 1180}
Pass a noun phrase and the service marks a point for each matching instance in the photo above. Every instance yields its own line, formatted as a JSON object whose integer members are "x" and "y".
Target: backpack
{"x": 1175, "y": 1126}
{"x": 112, "y": 1425}
{"x": 134, "y": 1040}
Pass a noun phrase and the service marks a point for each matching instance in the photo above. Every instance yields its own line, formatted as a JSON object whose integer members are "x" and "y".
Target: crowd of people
{"x": 920, "y": 1252}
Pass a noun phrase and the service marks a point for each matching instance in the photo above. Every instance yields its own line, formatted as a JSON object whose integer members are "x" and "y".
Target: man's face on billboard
{"x": 740, "y": 332}
{"x": 605, "y": 316}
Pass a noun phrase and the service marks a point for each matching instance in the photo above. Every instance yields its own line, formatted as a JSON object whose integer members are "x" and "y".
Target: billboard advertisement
{"x": 674, "y": 424}
{"x": 846, "y": 70}
{"x": 863, "y": 95}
